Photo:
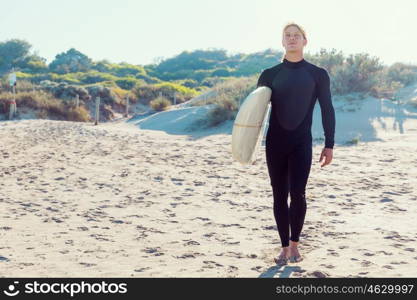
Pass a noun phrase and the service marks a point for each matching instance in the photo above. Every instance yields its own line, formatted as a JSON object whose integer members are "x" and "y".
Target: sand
{"x": 78, "y": 200}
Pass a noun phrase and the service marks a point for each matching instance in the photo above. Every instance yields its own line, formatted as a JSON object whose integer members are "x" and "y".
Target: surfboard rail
{"x": 249, "y": 125}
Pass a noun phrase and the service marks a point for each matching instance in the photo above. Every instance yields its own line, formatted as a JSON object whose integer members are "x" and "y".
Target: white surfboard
{"x": 249, "y": 126}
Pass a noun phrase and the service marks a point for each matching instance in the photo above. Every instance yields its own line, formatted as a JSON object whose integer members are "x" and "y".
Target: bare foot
{"x": 294, "y": 254}
{"x": 283, "y": 257}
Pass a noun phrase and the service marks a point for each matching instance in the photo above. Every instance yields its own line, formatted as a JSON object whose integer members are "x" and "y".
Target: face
{"x": 293, "y": 40}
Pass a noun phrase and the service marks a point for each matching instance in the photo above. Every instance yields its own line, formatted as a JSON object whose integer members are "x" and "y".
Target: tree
{"x": 70, "y": 62}
{"x": 13, "y": 53}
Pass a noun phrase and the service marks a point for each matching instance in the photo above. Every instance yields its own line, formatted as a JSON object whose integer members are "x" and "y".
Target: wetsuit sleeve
{"x": 263, "y": 79}
{"x": 327, "y": 110}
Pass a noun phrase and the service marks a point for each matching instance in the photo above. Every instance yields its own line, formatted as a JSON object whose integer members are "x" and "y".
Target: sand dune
{"x": 358, "y": 118}
{"x": 78, "y": 200}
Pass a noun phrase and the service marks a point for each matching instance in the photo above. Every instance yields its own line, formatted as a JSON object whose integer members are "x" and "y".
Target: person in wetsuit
{"x": 296, "y": 85}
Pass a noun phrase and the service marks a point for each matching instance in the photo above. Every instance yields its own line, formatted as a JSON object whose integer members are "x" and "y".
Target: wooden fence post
{"x": 127, "y": 106}
{"x": 97, "y": 110}
{"x": 12, "y": 106}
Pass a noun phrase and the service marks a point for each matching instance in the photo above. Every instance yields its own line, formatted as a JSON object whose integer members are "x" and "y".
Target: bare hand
{"x": 328, "y": 154}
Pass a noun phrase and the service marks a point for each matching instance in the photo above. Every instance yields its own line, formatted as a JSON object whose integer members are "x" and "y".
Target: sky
{"x": 141, "y": 31}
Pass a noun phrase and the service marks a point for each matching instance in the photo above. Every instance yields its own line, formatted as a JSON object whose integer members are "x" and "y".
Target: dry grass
{"x": 45, "y": 106}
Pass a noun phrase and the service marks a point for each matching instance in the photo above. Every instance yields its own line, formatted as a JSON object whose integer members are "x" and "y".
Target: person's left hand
{"x": 328, "y": 154}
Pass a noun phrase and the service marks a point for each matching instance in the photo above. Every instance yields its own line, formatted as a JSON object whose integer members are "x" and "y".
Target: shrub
{"x": 64, "y": 90}
{"x": 42, "y": 114}
{"x": 227, "y": 99}
{"x": 230, "y": 93}
{"x": 190, "y": 83}
{"x": 358, "y": 74}
{"x": 406, "y": 74}
{"x": 22, "y": 85}
{"x": 79, "y": 114}
{"x": 121, "y": 93}
{"x": 385, "y": 88}
{"x": 212, "y": 81}
{"x": 218, "y": 115}
{"x": 70, "y": 62}
{"x": 95, "y": 77}
{"x": 160, "y": 103}
{"x": 45, "y": 105}
{"x": 361, "y": 73}
{"x": 147, "y": 91}
{"x": 106, "y": 94}
{"x": 125, "y": 69}
{"x": 327, "y": 59}
{"x": 127, "y": 83}
{"x": 248, "y": 64}
{"x": 40, "y": 101}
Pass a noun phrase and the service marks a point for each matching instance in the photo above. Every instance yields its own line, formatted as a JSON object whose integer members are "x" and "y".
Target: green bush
{"x": 190, "y": 83}
{"x": 160, "y": 103}
{"x": 95, "y": 77}
{"x": 128, "y": 83}
{"x": 212, "y": 81}
{"x": 125, "y": 69}
{"x": 328, "y": 60}
{"x": 406, "y": 74}
{"x": 359, "y": 73}
{"x": 71, "y": 61}
{"x": 228, "y": 97}
{"x": 145, "y": 92}
{"x": 385, "y": 88}
{"x": 231, "y": 92}
{"x": 171, "y": 88}
{"x": 120, "y": 70}
{"x": 72, "y": 78}
{"x": 249, "y": 64}
{"x": 362, "y": 73}
{"x": 218, "y": 115}
{"x": 221, "y": 72}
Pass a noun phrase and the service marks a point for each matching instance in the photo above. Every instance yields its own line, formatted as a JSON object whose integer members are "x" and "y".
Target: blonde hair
{"x": 296, "y": 25}
{"x": 303, "y": 32}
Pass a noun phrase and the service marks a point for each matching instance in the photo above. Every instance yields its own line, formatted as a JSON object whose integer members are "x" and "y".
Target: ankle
{"x": 286, "y": 249}
{"x": 293, "y": 244}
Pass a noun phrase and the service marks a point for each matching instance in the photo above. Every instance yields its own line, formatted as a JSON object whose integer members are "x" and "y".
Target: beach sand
{"x": 78, "y": 200}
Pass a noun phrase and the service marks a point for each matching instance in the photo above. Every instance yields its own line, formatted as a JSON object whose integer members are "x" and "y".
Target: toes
{"x": 281, "y": 260}
{"x": 296, "y": 258}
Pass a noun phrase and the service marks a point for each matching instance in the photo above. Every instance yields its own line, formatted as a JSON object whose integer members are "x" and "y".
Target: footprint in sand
{"x": 366, "y": 263}
{"x": 211, "y": 264}
{"x": 318, "y": 274}
{"x": 330, "y": 266}
{"x": 142, "y": 269}
{"x": 87, "y": 264}
{"x": 155, "y": 251}
{"x": 398, "y": 262}
{"x": 191, "y": 242}
{"x": 190, "y": 255}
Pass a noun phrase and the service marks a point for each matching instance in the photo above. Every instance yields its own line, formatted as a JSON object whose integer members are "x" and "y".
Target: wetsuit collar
{"x": 291, "y": 64}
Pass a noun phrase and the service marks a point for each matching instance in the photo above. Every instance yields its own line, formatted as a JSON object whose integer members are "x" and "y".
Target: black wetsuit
{"x": 295, "y": 89}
